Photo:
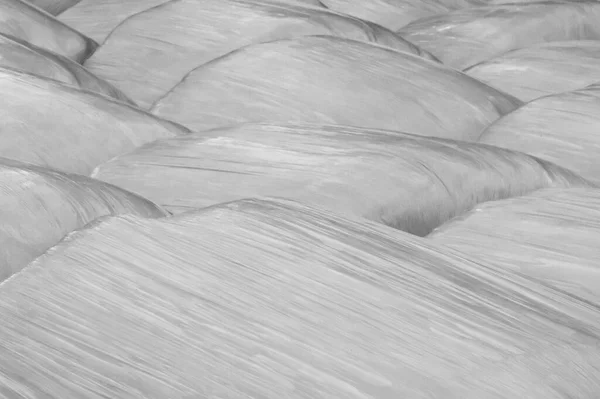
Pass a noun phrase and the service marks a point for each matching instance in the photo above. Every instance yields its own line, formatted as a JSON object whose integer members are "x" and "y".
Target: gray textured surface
{"x": 551, "y": 235}
{"x": 408, "y": 182}
{"x": 152, "y": 51}
{"x": 21, "y": 20}
{"x": 466, "y": 37}
{"x": 543, "y": 69}
{"x": 55, "y": 125}
{"x": 38, "y": 207}
{"x": 23, "y": 56}
{"x": 563, "y": 129}
{"x": 269, "y": 300}
{"x": 54, "y": 7}
{"x": 332, "y": 80}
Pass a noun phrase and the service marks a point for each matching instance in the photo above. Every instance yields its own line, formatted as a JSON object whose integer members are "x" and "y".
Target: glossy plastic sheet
{"x": 466, "y": 37}
{"x": 270, "y": 299}
{"x": 28, "y": 23}
{"x": 393, "y": 14}
{"x": 551, "y": 235}
{"x": 563, "y": 129}
{"x": 20, "y": 55}
{"x": 541, "y": 70}
{"x": 408, "y": 182}
{"x": 54, "y": 7}
{"x": 333, "y": 80}
{"x": 38, "y": 207}
{"x": 51, "y": 124}
{"x": 152, "y": 51}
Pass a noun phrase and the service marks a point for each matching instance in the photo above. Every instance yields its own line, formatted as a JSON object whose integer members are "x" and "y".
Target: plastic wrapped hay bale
{"x": 40, "y": 206}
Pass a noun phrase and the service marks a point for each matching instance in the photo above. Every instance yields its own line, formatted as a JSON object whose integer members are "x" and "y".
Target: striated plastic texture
{"x": 467, "y": 37}
{"x": 541, "y": 70}
{"x": 267, "y": 299}
{"x": 54, "y": 7}
{"x": 405, "y": 181}
{"x": 563, "y": 129}
{"x": 31, "y": 24}
{"x": 321, "y": 79}
{"x": 152, "y": 51}
{"x": 20, "y": 55}
{"x": 51, "y": 124}
{"x": 38, "y": 207}
{"x": 551, "y": 235}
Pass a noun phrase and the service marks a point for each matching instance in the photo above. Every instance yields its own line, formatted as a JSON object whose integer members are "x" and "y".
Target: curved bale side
{"x": 58, "y": 126}
{"x": 404, "y": 181}
{"x": 542, "y": 70}
{"x": 562, "y": 129}
{"x": 279, "y": 299}
{"x": 330, "y": 80}
{"x": 23, "y": 56}
{"x": 54, "y": 7}
{"x": 40, "y": 206}
{"x": 31, "y": 24}
{"x": 550, "y": 235}
{"x": 467, "y": 37}
{"x": 151, "y": 52}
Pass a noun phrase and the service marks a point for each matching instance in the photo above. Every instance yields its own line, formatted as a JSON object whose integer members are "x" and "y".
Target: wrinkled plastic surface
{"x": 54, "y": 7}
{"x": 393, "y": 14}
{"x": 551, "y": 235}
{"x": 98, "y": 19}
{"x": 38, "y": 207}
{"x": 408, "y": 182}
{"x": 20, "y": 55}
{"x": 51, "y": 124}
{"x": 152, "y": 51}
{"x": 563, "y": 129}
{"x": 269, "y": 299}
{"x": 31, "y": 24}
{"x": 336, "y": 81}
{"x": 540, "y": 70}
{"x": 466, "y": 37}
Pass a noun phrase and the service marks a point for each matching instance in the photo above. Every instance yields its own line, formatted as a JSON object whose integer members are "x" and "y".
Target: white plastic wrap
{"x": 98, "y": 19}
{"x": 274, "y": 300}
{"x": 563, "y": 129}
{"x": 31, "y": 24}
{"x": 322, "y": 79}
{"x": 552, "y": 235}
{"x": 54, "y": 7}
{"x": 51, "y": 124}
{"x": 152, "y": 51}
{"x": 408, "y": 182}
{"x": 542, "y": 70}
{"x": 393, "y": 14}
{"x": 20, "y": 55}
{"x": 466, "y": 37}
{"x": 38, "y": 207}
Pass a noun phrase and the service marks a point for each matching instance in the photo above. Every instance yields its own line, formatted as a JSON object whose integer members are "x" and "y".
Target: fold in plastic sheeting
{"x": 563, "y": 129}
{"x": 405, "y": 181}
{"x": 20, "y": 55}
{"x": 54, "y": 7}
{"x": 33, "y": 25}
{"x": 393, "y": 14}
{"x": 551, "y": 235}
{"x": 272, "y": 299}
{"x": 97, "y": 20}
{"x": 152, "y": 51}
{"x": 322, "y": 79}
{"x": 467, "y": 37}
{"x": 51, "y": 124}
{"x": 38, "y": 207}
{"x": 542, "y": 70}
